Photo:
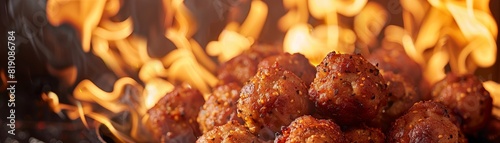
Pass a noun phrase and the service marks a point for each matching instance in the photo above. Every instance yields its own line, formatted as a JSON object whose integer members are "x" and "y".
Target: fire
{"x": 436, "y": 34}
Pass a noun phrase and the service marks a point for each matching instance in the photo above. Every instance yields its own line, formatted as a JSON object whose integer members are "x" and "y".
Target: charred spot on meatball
{"x": 426, "y": 121}
{"x": 173, "y": 118}
{"x": 467, "y": 97}
{"x": 348, "y": 89}
{"x": 296, "y": 63}
{"x": 220, "y": 107}
{"x": 364, "y": 134}
{"x": 401, "y": 96}
{"x": 231, "y": 132}
{"x": 271, "y": 99}
{"x": 311, "y": 130}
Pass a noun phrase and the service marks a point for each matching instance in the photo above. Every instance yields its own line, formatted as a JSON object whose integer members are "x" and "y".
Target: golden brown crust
{"x": 348, "y": 89}
{"x": 466, "y": 96}
{"x": 311, "y": 130}
{"x": 173, "y": 118}
{"x": 426, "y": 122}
{"x": 272, "y": 98}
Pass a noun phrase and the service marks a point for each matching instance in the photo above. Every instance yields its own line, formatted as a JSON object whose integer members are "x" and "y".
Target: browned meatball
{"x": 242, "y": 67}
{"x": 392, "y": 57}
{"x": 220, "y": 107}
{"x": 173, "y": 118}
{"x": 402, "y": 96}
{"x": 311, "y": 130}
{"x": 364, "y": 135}
{"x": 467, "y": 97}
{"x": 428, "y": 122}
{"x": 272, "y": 98}
{"x": 232, "y": 132}
{"x": 239, "y": 69}
{"x": 348, "y": 89}
{"x": 296, "y": 63}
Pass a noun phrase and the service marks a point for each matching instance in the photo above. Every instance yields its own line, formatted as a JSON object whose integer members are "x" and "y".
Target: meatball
{"x": 402, "y": 96}
{"x": 244, "y": 66}
{"x": 426, "y": 122}
{"x": 296, "y": 63}
{"x": 173, "y": 118}
{"x": 490, "y": 133}
{"x": 272, "y": 98}
{"x": 348, "y": 89}
{"x": 393, "y": 58}
{"x": 309, "y": 129}
{"x": 239, "y": 69}
{"x": 467, "y": 97}
{"x": 220, "y": 107}
{"x": 232, "y": 132}
{"x": 365, "y": 135}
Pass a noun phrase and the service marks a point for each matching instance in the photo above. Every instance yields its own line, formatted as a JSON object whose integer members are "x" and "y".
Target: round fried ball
{"x": 296, "y": 63}
{"x": 173, "y": 118}
{"x": 271, "y": 99}
{"x": 220, "y": 107}
{"x": 348, "y": 89}
{"x": 307, "y": 129}
{"x": 426, "y": 122}
{"x": 232, "y": 132}
{"x": 467, "y": 97}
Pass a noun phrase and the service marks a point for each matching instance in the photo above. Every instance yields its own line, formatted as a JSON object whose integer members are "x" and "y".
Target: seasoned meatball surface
{"x": 272, "y": 98}
{"x": 307, "y": 129}
{"x": 173, "y": 118}
{"x": 467, "y": 97}
{"x": 220, "y": 107}
{"x": 428, "y": 122}
{"x": 402, "y": 96}
{"x": 348, "y": 89}
{"x": 296, "y": 63}
{"x": 232, "y": 132}
{"x": 364, "y": 135}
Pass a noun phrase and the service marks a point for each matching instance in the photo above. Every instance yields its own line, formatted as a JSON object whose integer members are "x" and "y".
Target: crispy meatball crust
{"x": 365, "y": 135}
{"x": 173, "y": 118}
{"x": 428, "y": 122}
{"x": 296, "y": 63}
{"x": 272, "y": 98}
{"x": 232, "y": 132}
{"x": 311, "y": 130}
{"x": 220, "y": 107}
{"x": 348, "y": 89}
{"x": 402, "y": 96}
{"x": 467, "y": 97}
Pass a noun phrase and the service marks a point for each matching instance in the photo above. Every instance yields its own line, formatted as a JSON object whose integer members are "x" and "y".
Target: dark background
{"x": 39, "y": 44}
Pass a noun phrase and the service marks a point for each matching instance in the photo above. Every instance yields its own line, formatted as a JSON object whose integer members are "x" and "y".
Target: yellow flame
{"x": 465, "y": 29}
{"x": 494, "y": 89}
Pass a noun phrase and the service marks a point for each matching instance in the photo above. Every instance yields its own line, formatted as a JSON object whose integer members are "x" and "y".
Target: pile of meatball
{"x": 267, "y": 95}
